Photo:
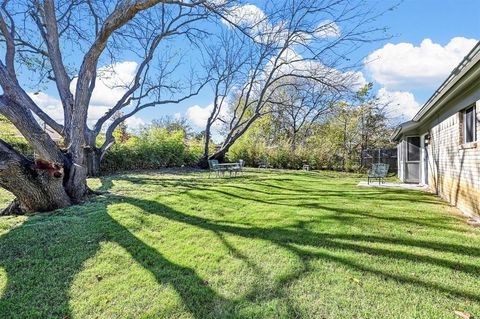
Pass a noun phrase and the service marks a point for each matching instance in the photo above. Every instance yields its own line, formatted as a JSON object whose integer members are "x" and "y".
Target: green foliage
{"x": 333, "y": 141}
{"x": 281, "y": 154}
{"x": 120, "y": 133}
{"x": 319, "y": 150}
{"x": 10, "y": 134}
{"x": 154, "y": 147}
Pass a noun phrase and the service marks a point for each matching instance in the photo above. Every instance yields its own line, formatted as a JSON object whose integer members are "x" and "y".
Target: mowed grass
{"x": 270, "y": 244}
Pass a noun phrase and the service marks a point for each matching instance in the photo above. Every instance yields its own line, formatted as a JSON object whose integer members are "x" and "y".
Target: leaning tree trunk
{"x": 203, "y": 162}
{"x": 54, "y": 180}
{"x": 37, "y": 186}
{"x": 220, "y": 155}
{"x": 232, "y": 138}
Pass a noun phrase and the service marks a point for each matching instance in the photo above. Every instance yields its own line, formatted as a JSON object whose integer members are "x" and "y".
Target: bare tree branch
{"x": 51, "y": 37}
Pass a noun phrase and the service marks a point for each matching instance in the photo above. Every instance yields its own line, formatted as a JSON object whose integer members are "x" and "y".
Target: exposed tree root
{"x": 13, "y": 209}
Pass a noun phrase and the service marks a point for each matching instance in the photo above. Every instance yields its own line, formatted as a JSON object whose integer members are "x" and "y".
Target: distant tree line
{"x": 259, "y": 61}
{"x": 330, "y": 135}
{"x": 306, "y": 128}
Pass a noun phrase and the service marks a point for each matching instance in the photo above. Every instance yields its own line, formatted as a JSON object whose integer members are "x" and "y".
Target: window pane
{"x": 413, "y": 148}
{"x": 469, "y": 125}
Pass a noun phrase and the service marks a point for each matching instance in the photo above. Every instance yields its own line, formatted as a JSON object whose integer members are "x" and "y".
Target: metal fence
{"x": 380, "y": 155}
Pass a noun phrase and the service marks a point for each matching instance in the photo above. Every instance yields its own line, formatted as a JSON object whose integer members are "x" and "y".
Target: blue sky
{"x": 412, "y": 22}
{"x": 439, "y": 20}
{"x": 429, "y": 37}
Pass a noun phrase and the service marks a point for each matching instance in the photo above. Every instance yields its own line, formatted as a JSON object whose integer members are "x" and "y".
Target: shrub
{"x": 317, "y": 153}
{"x": 153, "y": 148}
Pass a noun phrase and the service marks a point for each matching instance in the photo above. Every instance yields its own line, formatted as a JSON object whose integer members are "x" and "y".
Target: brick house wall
{"x": 454, "y": 168}
{"x": 449, "y": 166}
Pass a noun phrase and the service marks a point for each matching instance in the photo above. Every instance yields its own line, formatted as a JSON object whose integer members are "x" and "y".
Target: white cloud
{"x": 217, "y": 3}
{"x": 356, "y": 78}
{"x": 53, "y": 107}
{"x": 257, "y": 24}
{"x": 50, "y": 105}
{"x": 199, "y": 115}
{"x": 134, "y": 122}
{"x": 401, "y": 105}
{"x": 327, "y": 29}
{"x": 293, "y": 63}
{"x": 248, "y": 15}
{"x": 112, "y": 82}
{"x": 95, "y": 112}
{"x": 405, "y": 66}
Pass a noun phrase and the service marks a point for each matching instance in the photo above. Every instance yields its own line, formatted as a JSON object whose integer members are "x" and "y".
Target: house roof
{"x": 444, "y": 92}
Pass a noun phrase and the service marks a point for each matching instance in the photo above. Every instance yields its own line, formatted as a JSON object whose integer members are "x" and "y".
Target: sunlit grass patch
{"x": 267, "y": 244}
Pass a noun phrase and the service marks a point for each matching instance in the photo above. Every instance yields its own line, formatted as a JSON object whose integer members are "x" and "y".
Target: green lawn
{"x": 267, "y": 245}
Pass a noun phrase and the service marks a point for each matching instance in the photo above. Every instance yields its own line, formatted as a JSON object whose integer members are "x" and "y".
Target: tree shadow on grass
{"x": 340, "y": 213}
{"x": 291, "y": 239}
{"x": 259, "y": 186}
{"x": 42, "y": 256}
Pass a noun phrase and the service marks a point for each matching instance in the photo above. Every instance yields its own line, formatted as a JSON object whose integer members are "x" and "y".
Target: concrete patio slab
{"x": 395, "y": 185}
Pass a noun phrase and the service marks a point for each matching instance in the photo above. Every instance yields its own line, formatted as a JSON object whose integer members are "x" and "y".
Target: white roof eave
{"x": 440, "y": 95}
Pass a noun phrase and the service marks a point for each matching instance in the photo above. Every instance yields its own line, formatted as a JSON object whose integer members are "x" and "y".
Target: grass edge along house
{"x": 440, "y": 146}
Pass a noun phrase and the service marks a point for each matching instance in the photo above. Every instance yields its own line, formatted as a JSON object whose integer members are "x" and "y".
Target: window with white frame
{"x": 469, "y": 127}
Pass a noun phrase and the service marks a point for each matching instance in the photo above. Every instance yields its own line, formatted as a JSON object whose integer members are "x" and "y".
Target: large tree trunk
{"x": 220, "y": 154}
{"x": 232, "y": 137}
{"x": 203, "y": 162}
{"x": 92, "y": 159}
{"x": 58, "y": 177}
{"x": 54, "y": 180}
{"x": 38, "y": 186}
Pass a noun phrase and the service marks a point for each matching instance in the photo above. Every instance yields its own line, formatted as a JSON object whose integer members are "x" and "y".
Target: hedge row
{"x": 153, "y": 148}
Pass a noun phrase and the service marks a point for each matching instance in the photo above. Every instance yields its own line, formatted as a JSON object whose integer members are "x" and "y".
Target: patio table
{"x": 228, "y": 165}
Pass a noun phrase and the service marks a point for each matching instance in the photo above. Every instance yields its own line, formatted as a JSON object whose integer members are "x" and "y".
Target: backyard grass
{"x": 176, "y": 244}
